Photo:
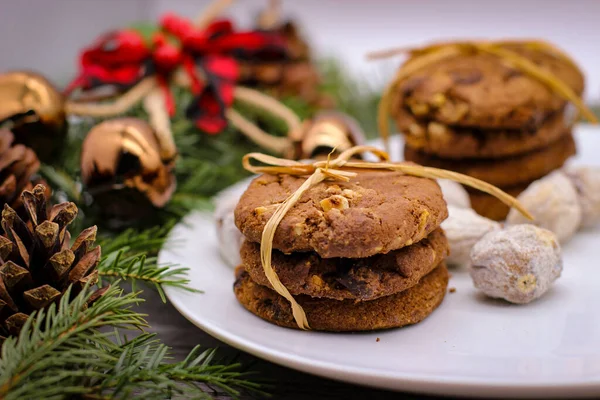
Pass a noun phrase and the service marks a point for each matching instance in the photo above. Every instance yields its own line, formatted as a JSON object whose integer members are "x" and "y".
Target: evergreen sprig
{"x": 148, "y": 240}
{"x": 63, "y": 352}
{"x": 131, "y": 256}
{"x": 47, "y": 357}
{"x": 139, "y": 268}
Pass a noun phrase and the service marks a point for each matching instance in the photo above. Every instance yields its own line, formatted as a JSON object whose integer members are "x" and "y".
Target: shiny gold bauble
{"x": 122, "y": 169}
{"x": 327, "y": 131}
{"x": 34, "y": 110}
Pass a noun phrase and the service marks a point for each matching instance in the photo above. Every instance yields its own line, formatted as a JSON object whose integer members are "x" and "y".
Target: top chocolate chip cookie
{"x": 483, "y": 90}
{"x": 374, "y": 213}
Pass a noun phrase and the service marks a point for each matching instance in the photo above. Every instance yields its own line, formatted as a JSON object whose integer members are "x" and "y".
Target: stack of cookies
{"x": 476, "y": 114}
{"x": 361, "y": 255}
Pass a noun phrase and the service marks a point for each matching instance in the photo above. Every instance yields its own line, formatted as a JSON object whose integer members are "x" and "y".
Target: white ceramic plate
{"x": 470, "y": 346}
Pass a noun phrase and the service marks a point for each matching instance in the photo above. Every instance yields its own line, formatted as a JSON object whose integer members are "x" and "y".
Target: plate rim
{"x": 462, "y": 385}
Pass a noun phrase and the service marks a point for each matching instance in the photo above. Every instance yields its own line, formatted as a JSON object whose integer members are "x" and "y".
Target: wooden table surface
{"x": 288, "y": 384}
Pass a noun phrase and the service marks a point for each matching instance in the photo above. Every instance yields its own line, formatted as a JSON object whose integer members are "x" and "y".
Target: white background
{"x": 46, "y": 34}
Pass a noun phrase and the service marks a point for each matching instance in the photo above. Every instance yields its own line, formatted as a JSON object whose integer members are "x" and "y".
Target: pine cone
{"x": 18, "y": 166}
{"x": 36, "y": 263}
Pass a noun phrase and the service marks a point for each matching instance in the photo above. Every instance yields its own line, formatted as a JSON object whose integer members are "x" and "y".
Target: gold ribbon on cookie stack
{"x": 420, "y": 58}
{"x": 342, "y": 168}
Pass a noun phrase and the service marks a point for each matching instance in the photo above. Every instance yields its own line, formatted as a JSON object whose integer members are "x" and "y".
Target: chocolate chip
{"x": 238, "y": 283}
{"x": 411, "y": 84}
{"x": 510, "y": 74}
{"x": 466, "y": 77}
{"x": 536, "y": 119}
{"x": 267, "y": 303}
{"x": 358, "y": 288}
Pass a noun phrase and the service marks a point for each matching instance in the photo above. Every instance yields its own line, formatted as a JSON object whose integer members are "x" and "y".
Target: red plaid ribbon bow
{"x": 123, "y": 58}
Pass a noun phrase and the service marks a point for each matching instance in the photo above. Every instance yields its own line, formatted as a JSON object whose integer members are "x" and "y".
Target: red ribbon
{"x": 123, "y": 58}
{"x": 215, "y": 51}
{"x": 115, "y": 58}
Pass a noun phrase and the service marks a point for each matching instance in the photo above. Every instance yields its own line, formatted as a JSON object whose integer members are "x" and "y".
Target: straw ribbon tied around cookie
{"x": 342, "y": 168}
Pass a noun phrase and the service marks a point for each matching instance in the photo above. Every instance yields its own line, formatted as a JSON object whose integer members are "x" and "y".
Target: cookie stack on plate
{"x": 478, "y": 115}
{"x": 361, "y": 255}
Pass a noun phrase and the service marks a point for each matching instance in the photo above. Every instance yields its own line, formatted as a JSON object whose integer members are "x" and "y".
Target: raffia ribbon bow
{"x": 342, "y": 168}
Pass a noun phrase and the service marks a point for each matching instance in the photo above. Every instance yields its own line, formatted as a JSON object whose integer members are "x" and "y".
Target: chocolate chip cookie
{"x": 434, "y": 138}
{"x": 404, "y": 308}
{"x": 504, "y": 172}
{"x": 482, "y": 90}
{"x": 375, "y": 212}
{"x": 350, "y": 278}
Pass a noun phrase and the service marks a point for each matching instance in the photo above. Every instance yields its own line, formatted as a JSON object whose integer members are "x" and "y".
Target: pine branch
{"x": 148, "y": 240}
{"x": 138, "y": 268}
{"x": 64, "y": 353}
{"x": 192, "y": 377}
{"x": 57, "y": 338}
{"x": 131, "y": 256}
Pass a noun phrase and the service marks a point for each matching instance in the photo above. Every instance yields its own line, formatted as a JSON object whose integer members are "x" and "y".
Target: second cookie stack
{"x": 476, "y": 114}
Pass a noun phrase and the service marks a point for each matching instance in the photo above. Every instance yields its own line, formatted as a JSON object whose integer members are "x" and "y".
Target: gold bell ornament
{"x": 327, "y": 131}
{"x": 127, "y": 167}
{"x": 32, "y": 108}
